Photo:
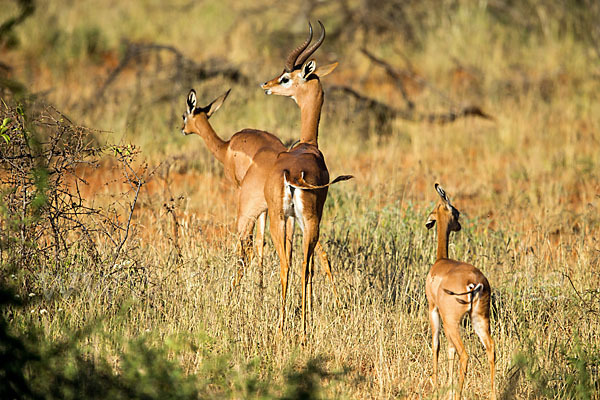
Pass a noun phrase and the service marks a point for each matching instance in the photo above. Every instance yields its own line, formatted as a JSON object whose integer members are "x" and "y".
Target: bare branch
{"x": 27, "y": 8}
{"x": 132, "y": 205}
{"x": 45, "y": 217}
{"x": 398, "y": 76}
{"x": 587, "y": 305}
{"x": 385, "y": 111}
{"x": 182, "y": 66}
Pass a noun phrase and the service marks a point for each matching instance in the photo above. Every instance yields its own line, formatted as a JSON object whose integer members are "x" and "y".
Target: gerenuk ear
{"x": 326, "y": 70}
{"x": 430, "y": 221}
{"x": 216, "y": 104}
{"x": 308, "y": 68}
{"x": 191, "y": 101}
{"x": 443, "y": 195}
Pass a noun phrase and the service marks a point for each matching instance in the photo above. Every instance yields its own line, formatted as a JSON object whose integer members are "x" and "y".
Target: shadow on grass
{"x": 35, "y": 367}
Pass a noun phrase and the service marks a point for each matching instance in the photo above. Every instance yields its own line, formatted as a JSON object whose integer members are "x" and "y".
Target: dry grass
{"x": 527, "y": 184}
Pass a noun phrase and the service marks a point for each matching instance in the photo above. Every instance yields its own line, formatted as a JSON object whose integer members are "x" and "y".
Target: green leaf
{"x": 6, "y": 137}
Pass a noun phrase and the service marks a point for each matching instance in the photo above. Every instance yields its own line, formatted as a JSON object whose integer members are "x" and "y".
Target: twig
{"x": 398, "y": 75}
{"x": 182, "y": 64}
{"x": 587, "y": 305}
{"x": 395, "y": 74}
{"x": 383, "y": 109}
{"x": 27, "y": 8}
{"x": 139, "y": 184}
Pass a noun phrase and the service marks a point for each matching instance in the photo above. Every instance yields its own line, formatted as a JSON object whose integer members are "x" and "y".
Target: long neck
{"x": 310, "y": 111}
{"x": 443, "y": 235}
{"x": 214, "y": 143}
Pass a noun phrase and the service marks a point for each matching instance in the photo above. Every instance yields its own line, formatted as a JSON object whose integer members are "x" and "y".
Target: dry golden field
{"x": 527, "y": 183}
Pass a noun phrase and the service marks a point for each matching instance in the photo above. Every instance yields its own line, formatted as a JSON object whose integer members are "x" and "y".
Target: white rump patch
{"x": 471, "y": 296}
{"x": 478, "y": 327}
{"x": 436, "y": 325}
{"x": 299, "y": 207}
{"x": 292, "y": 202}
{"x": 288, "y": 204}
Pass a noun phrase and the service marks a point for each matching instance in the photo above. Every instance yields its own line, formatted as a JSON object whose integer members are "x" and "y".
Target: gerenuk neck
{"x": 215, "y": 144}
{"x": 310, "y": 111}
{"x": 443, "y": 235}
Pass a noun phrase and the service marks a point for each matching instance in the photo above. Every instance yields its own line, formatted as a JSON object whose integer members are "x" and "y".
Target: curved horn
{"x": 291, "y": 59}
{"x": 313, "y": 47}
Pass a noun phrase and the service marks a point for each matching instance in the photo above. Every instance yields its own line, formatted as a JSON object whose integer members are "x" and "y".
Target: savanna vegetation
{"x": 117, "y": 233}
